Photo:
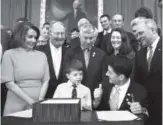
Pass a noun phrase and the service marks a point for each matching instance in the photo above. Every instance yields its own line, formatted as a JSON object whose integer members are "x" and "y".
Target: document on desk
{"x": 61, "y": 101}
{"x": 115, "y": 116}
{"x": 24, "y": 114}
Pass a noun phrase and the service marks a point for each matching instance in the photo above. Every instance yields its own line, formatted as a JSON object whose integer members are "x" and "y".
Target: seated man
{"x": 73, "y": 88}
{"x": 119, "y": 92}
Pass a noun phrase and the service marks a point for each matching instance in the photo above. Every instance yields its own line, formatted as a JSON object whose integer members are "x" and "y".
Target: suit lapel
{"x": 156, "y": 55}
{"x": 124, "y": 105}
{"x": 80, "y": 55}
{"x": 60, "y": 70}
{"x": 108, "y": 90}
{"x": 144, "y": 60}
{"x": 92, "y": 59}
{"x": 50, "y": 60}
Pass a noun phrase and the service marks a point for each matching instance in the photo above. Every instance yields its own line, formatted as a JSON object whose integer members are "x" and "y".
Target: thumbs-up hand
{"x": 98, "y": 92}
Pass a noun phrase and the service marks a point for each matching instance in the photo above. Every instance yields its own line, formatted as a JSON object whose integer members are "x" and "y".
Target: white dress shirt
{"x": 154, "y": 45}
{"x": 64, "y": 90}
{"x": 122, "y": 92}
{"x": 107, "y": 31}
{"x": 56, "y": 58}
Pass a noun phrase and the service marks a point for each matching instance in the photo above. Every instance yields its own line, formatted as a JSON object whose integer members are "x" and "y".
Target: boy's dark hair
{"x": 74, "y": 29}
{"x": 72, "y": 65}
{"x": 144, "y": 12}
{"x": 105, "y": 15}
{"x": 121, "y": 65}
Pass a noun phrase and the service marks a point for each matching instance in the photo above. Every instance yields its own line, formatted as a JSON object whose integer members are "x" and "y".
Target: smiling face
{"x": 45, "y": 34}
{"x": 143, "y": 34}
{"x": 57, "y": 34}
{"x": 117, "y": 21}
{"x": 75, "y": 76}
{"x": 116, "y": 39}
{"x": 30, "y": 39}
{"x": 105, "y": 23}
{"x": 114, "y": 78}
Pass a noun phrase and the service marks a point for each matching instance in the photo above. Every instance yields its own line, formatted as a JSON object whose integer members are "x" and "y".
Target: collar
{"x": 125, "y": 85}
{"x": 108, "y": 31}
{"x": 154, "y": 44}
{"x": 89, "y": 49}
{"x": 52, "y": 46}
{"x": 70, "y": 84}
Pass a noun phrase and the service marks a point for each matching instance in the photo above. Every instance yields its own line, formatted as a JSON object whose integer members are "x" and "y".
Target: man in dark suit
{"x": 55, "y": 50}
{"x": 91, "y": 57}
{"x": 118, "y": 22}
{"x": 104, "y": 36}
{"x": 118, "y": 91}
{"x": 74, "y": 16}
{"x": 148, "y": 65}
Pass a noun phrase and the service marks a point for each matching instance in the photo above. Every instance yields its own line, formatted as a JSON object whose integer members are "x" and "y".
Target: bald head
{"x": 117, "y": 21}
{"x": 56, "y": 25}
{"x": 57, "y": 33}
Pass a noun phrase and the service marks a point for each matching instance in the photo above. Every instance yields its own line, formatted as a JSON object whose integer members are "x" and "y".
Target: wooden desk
{"x": 87, "y": 118}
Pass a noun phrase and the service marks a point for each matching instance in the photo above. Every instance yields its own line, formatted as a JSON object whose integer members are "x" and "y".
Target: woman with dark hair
{"x": 120, "y": 44}
{"x": 25, "y": 71}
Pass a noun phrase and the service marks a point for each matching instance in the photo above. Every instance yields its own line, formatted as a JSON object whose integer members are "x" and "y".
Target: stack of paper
{"x": 25, "y": 114}
{"x": 57, "y": 110}
{"x": 116, "y": 116}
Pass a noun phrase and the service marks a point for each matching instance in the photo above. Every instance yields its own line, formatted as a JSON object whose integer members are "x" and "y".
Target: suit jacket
{"x": 151, "y": 80}
{"x": 53, "y": 82}
{"x": 75, "y": 42}
{"x": 72, "y": 22}
{"x": 133, "y": 41}
{"x": 139, "y": 92}
{"x": 103, "y": 41}
{"x": 93, "y": 73}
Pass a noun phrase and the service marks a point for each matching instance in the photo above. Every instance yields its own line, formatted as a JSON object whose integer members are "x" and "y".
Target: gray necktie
{"x": 149, "y": 59}
{"x": 75, "y": 14}
{"x": 86, "y": 56}
{"x": 114, "y": 99}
